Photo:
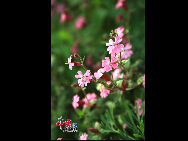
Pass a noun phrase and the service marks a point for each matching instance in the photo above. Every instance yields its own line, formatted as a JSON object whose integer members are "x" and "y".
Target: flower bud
{"x": 81, "y": 102}
{"x": 76, "y": 63}
{"x": 76, "y": 86}
{"x": 106, "y": 77}
{"x": 95, "y": 131}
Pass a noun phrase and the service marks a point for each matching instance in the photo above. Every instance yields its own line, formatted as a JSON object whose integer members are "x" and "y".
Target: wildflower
{"x": 75, "y": 101}
{"x": 119, "y": 31}
{"x": 70, "y": 63}
{"x": 127, "y": 52}
{"x": 86, "y": 78}
{"x": 64, "y": 17}
{"x": 119, "y": 17}
{"x": 115, "y": 47}
{"x": 99, "y": 73}
{"x": 97, "y": 65}
{"x": 104, "y": 92}
{"x": 52, "y": 2}
{"x": 75, "y": 47}
{"x": 116, "y": 73}
{"x": 60, "y": 7}
{"x": 89, "y": 61}
{"x": 124, "y": 125}
{"x": 143, "y": 78}
{"x": 109, "y": 65}
{"x": 122, "y": 4}
{"x": 83, "y": 136}
{"x": 88, "y": 98}
{"x": 139, "y": 103}
{"x": 80, "y": 22}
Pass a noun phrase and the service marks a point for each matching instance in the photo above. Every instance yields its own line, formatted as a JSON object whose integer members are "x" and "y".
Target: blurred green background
{"x": 100, "y": 20}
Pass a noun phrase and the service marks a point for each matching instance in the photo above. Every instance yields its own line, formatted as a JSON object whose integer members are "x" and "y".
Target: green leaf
{"x": 137, "y": 135}
{"x": 139, "y": 80}
{"x": 126, "y": 63}
{"x": 93, "y": 101}
{"x": 79, "y": 112}
{"x": 123, "y": 135}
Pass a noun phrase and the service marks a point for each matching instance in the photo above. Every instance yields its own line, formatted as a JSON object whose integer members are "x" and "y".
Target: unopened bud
{"x": 76, "y": 86}
{"x": 81, "y": 102}
{"x": 106, "y": 77}
{"x": 124, "y": 85}
{"x": 76, "y": 63}
{"x": 96, "y": 131}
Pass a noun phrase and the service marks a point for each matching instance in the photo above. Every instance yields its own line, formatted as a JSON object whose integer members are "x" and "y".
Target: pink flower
{"x": 116, "y": 73}
{"x": 121, "y": 3}
{"x": 119, "y": 17}
{"x": 86, "y": 78}
{"x": 99, "y": 73}
{"x": 70, "y": 63}
{"x": 89, "y": 61}
{"x": 79, "y": 22}
{"x": 83, "y": 136}
{"x": 139, "y": 103}
{"x": 119, "y": 31}
{"x": 64, "y": 17}
{"x": 60, "y": 7}
{"x": 104, "y": 92}
{"x": 127, "y": 52}
{"x": 143, "y": 78}
{"x": 109, "y": 65}
{"x": 115, "y": 47}
{"x": 90, "y": 96}
{"x": 97, "y": 65}
{"x": 75, "y": 47}
{"x": 125, "y": 125}
{"x": 75, "y": 101}
{"x": 52, "y": 2}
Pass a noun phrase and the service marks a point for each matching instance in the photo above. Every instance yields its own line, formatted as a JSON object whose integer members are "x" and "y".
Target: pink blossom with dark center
{"x": 84, "y": 79}
{"x": 80, "y": 22}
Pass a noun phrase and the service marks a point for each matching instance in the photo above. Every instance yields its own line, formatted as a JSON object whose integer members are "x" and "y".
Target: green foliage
{"x": 135, "y": 124}
{"x": 110, "y": 113}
